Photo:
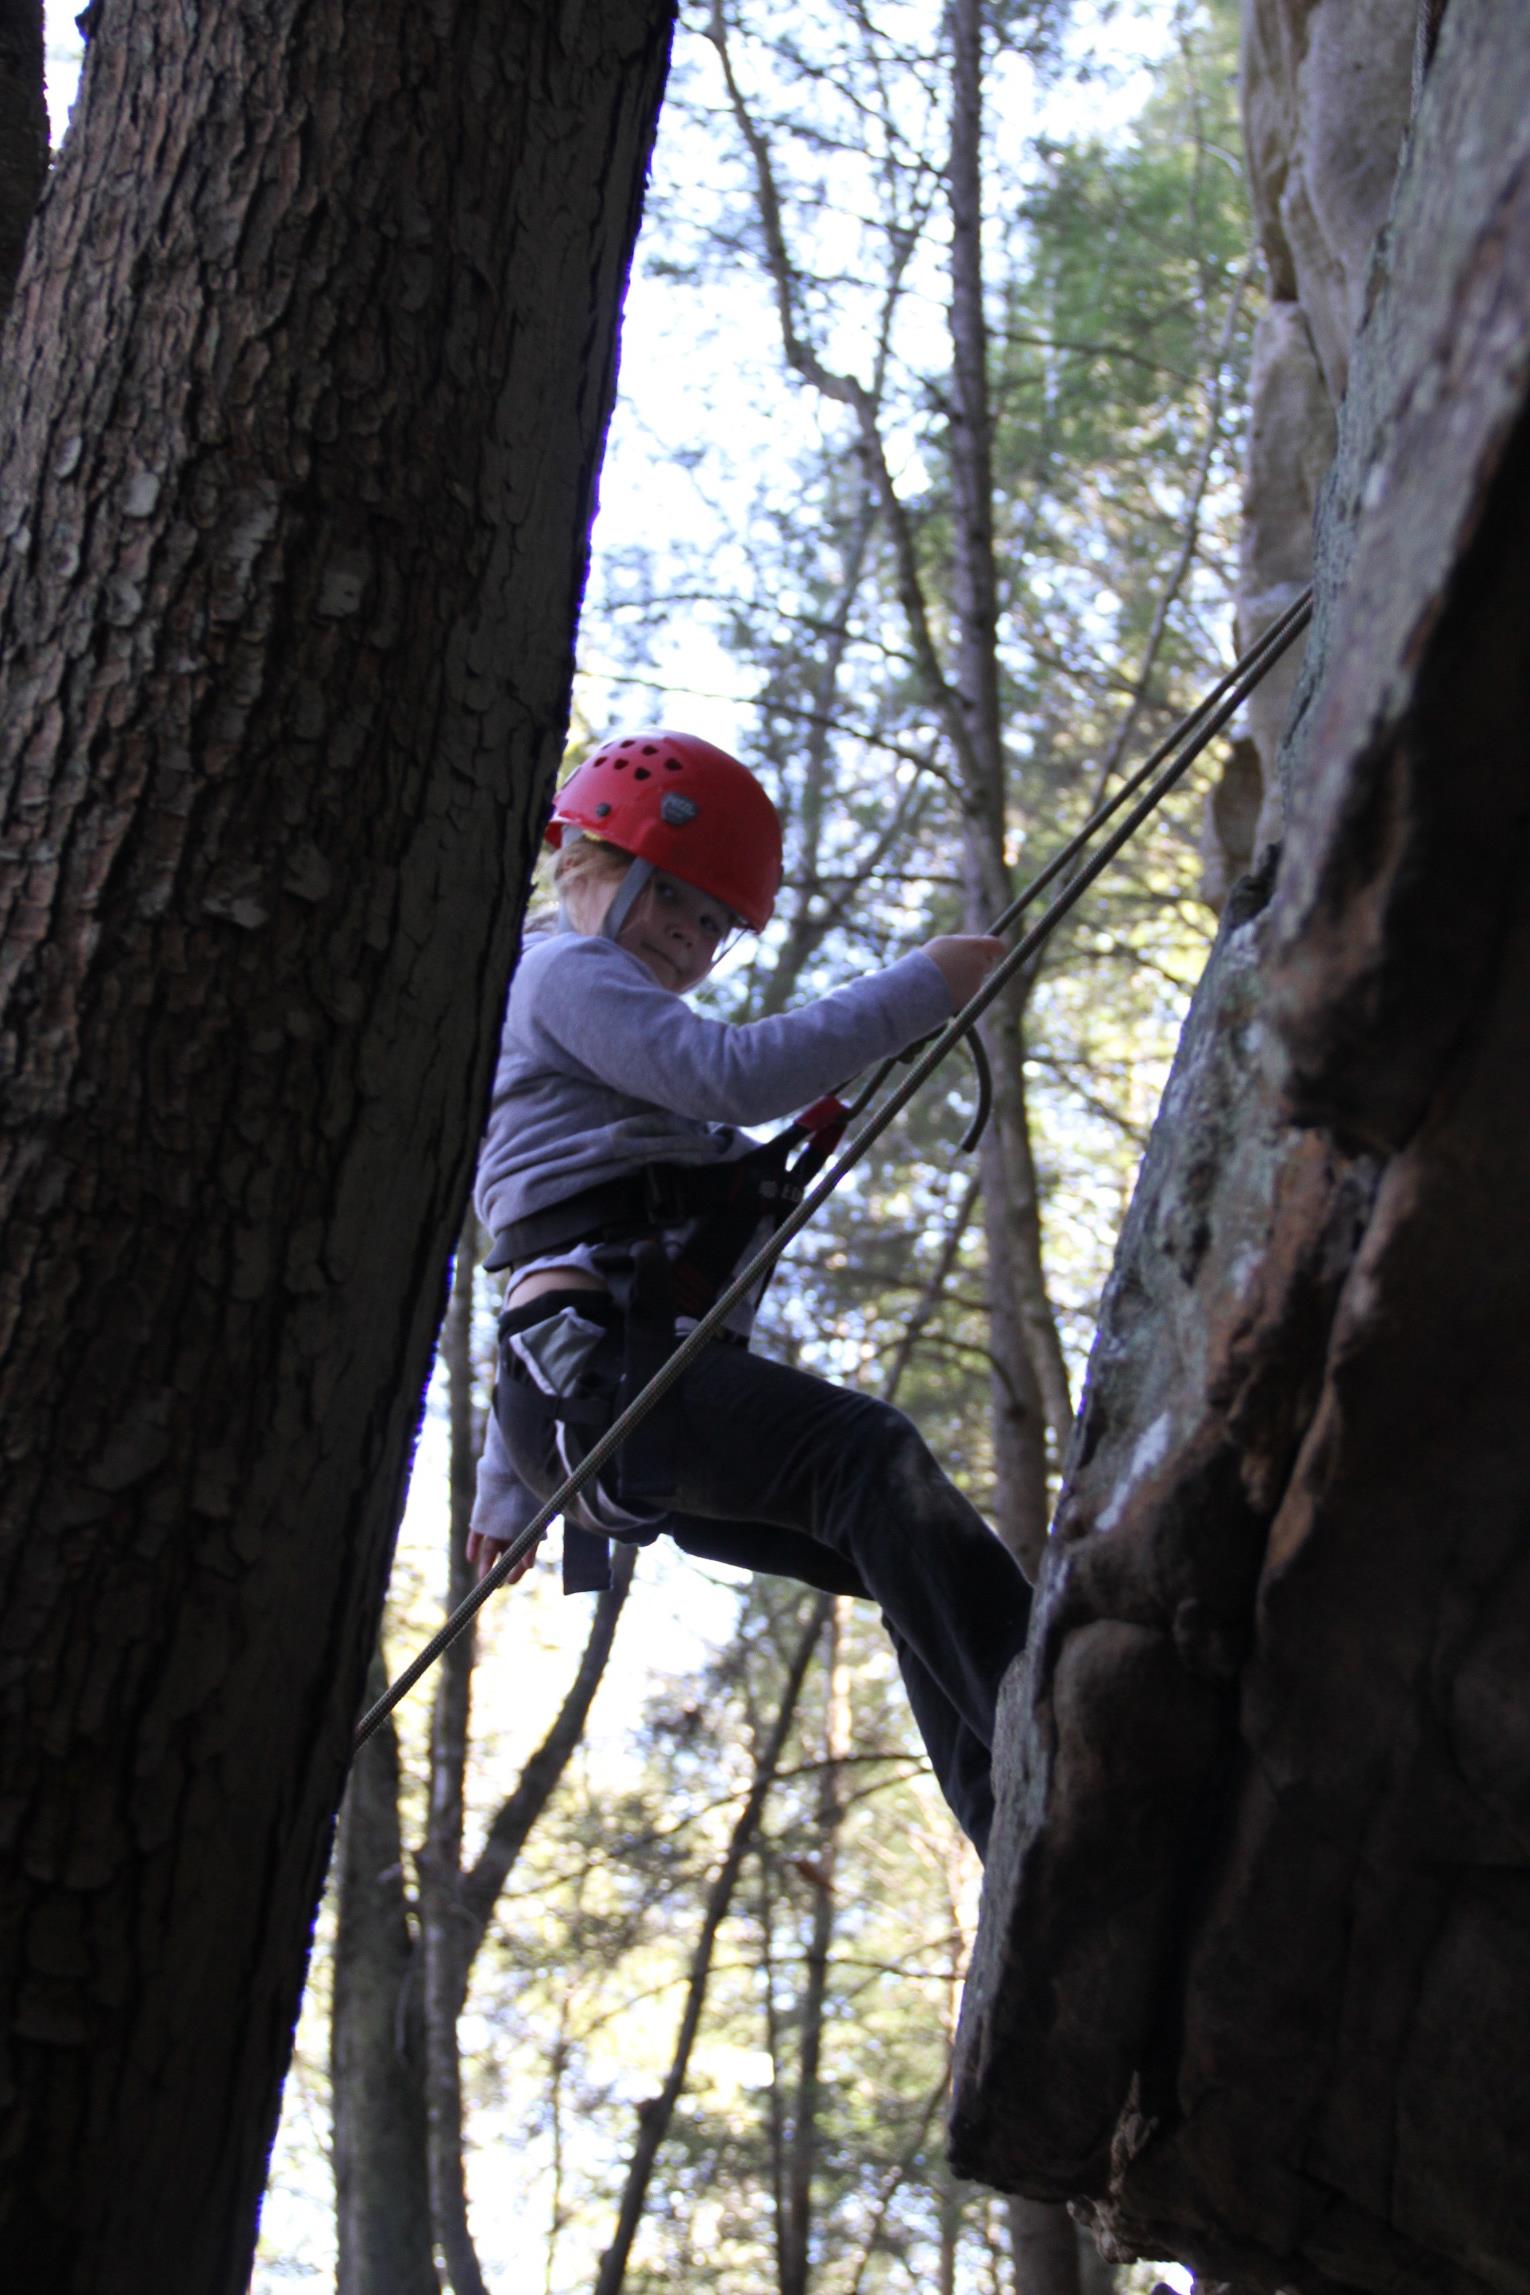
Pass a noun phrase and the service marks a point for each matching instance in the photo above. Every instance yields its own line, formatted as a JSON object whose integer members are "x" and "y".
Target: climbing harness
{"x": 675, "y": 1234}
{"x": 1175, "y": 755}
{"x": 729, "y": 1201}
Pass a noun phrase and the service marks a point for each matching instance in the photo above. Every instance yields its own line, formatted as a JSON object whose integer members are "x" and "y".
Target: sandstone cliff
{"x": 1254, "y": 1963}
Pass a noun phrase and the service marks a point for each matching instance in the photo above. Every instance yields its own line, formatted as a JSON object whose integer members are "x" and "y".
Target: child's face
{"x": 675, "y": 931}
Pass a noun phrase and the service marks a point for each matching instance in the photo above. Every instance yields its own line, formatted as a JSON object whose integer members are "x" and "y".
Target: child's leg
{"x": 765, "y": 1546}
{"x": 757, "y": 1446}
{"x": 960, "y": 1758}
{"x": 773, "y": 1469}
{"x": 957, "y": 1754}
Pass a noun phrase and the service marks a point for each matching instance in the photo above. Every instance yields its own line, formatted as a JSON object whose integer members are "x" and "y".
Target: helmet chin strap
{"x": 625, "y": 898}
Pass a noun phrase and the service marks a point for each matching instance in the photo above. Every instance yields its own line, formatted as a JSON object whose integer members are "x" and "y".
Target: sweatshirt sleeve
{"x": 502, "y": 1505}
{"x": 602, "y": 1008}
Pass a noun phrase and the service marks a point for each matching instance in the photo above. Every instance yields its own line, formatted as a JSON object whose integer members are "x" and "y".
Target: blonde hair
{"x": 585, "y": 863}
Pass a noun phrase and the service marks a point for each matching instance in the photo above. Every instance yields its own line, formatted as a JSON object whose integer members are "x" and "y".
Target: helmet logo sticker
{"x": 677, "y": 810}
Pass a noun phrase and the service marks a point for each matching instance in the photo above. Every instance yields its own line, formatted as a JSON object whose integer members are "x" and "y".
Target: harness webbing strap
{"x": 1197, "y": 731}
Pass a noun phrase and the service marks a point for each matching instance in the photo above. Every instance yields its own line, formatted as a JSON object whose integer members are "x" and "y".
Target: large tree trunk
{"x": 23, "y": 131}
{"x": 313, "y": 354}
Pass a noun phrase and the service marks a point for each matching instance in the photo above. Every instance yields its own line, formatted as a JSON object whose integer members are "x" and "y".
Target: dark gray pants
{"x": 751, "y": 1463}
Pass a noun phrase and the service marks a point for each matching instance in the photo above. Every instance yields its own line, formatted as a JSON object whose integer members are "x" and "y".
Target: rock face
{"x": 1326, "y": 92}
{"x": 1253, "y": 1971}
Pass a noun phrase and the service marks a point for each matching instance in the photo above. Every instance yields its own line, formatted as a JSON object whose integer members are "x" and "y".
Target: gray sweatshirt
{"x": 602, "y": 1070}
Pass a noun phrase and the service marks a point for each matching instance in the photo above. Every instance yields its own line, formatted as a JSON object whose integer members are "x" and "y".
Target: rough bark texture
{"x": 313, "y": 354}
{"x": 1253, "y": 1970}
{"x": 383, "y": 2232}
{"x": 23, "y": 131}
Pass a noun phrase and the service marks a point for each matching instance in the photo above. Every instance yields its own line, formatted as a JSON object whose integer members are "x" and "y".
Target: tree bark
{"x": 382, "y": 2196}
{"x": 795, "y": 2244}
{"x": 443, "y": 1967}
{"x": 314, "y": 353}
{"x": 1053, "y": 2255}
{"x": 23, "y": 132}
{"x": 1045, "y": 2247}
{"x": 1030, "y": 1384}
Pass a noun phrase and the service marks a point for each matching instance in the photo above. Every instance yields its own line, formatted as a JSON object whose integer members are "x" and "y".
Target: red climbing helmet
{"x": 684, "y": 807}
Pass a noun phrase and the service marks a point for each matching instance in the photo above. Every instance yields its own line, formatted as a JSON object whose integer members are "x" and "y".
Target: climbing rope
{"x": 1245, "y": 674}
{"x": 1195, "y": 732}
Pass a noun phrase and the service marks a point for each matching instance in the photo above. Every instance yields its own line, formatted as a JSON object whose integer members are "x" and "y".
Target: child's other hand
{"x": 964, "y": 961}
{"x": 484, "y": 1552}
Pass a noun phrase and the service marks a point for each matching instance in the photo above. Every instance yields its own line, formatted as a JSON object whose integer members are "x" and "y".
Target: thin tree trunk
{"x": 1095, "y": 2275}
{"x": 949, "y": 2198}
{"x": 1030, "y": 1385}
{"x": 23, "y": 132}
{"x": 382, "y": 2194}
{"x": 802, "y": 2154}
{"x": 655, "y": 2114}
{"x": 775, "y": 2042}
{"x": 423, "y": 2116}
{"x": 557, "y": 2210}
{"x": 948, "y": 2216}
{"x": 895, "y": 2181}
{"x": 539, "y": 1779}
{"x": 313, "y": 351}
{"x": 1189, "y": 542}
{"x": 440, "y": 1860}
{"x": 815, "y": 918}
{"x": 1045, "y": 2248}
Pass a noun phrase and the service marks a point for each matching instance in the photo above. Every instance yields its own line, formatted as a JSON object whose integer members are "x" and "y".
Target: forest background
{"x": 666, "y": 1997}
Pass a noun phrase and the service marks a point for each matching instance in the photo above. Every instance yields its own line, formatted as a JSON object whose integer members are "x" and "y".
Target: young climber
{"x": 623, "y": 1192}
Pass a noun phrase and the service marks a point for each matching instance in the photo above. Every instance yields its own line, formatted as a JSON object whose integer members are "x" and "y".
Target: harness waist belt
{"x": 661, "y": 1195}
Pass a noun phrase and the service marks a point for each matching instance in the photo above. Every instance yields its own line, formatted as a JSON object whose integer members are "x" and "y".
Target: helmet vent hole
{"x": 619, "y": 764}
{"x": 641, "y": 773}
{"x": 649, "y": 749}
{"x": 673, "y": 765}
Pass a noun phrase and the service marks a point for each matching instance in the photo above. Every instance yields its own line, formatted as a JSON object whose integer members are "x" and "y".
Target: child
{"x": 622, "y": 1194}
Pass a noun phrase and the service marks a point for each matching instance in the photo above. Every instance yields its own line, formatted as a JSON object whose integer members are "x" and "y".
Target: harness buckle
{"x": 663, "y": 1195}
